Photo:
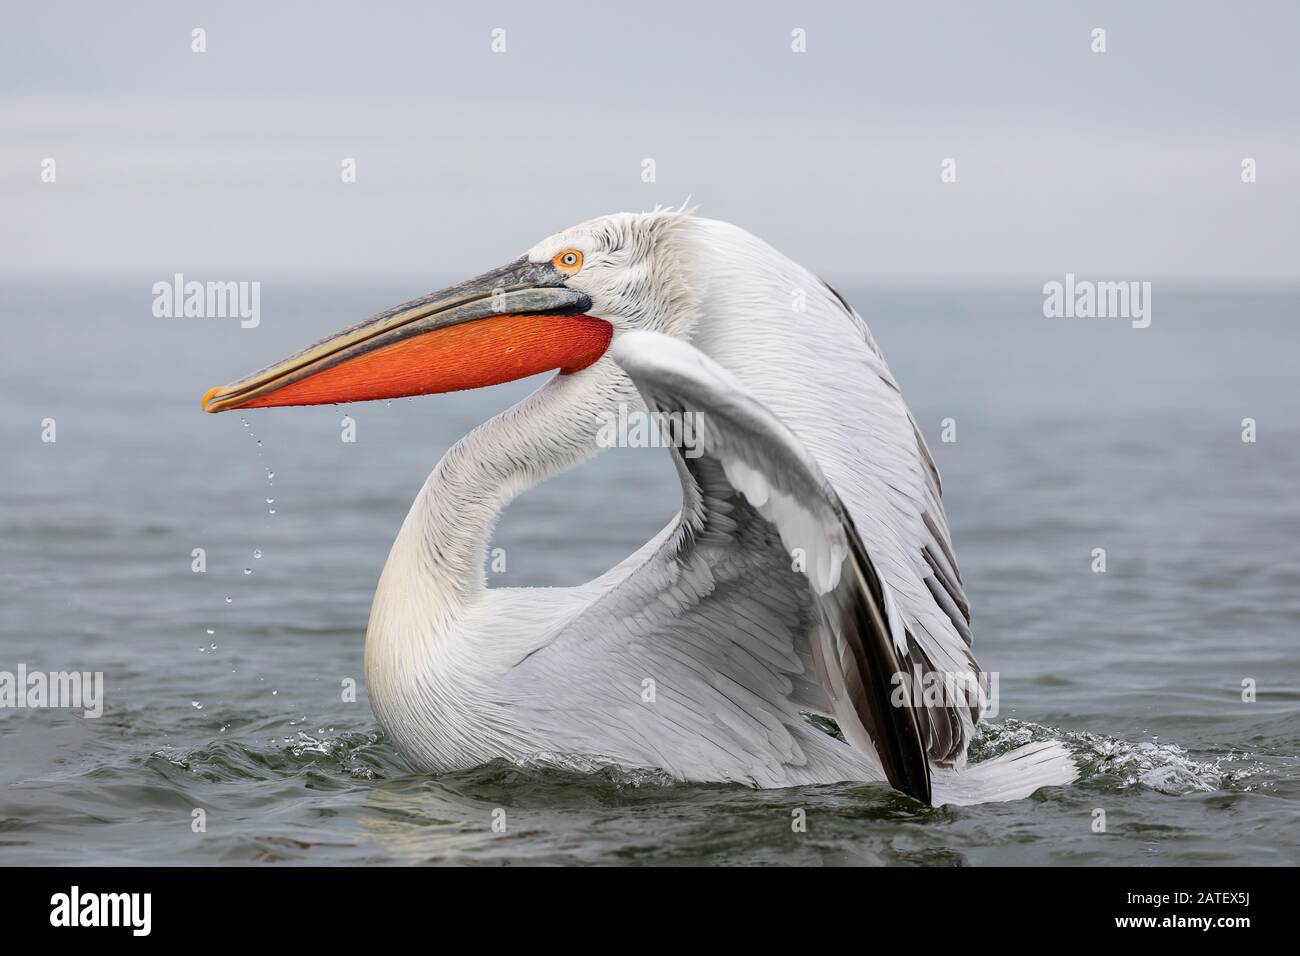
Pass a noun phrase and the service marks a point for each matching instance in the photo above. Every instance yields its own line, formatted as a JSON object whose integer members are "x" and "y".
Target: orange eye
{"x": 569, "y": 261}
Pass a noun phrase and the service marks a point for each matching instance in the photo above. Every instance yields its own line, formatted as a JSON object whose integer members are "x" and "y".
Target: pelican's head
{"x": 555, "y": 308}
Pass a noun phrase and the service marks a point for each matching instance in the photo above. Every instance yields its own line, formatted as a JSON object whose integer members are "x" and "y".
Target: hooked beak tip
{"x": 207, "y": 399}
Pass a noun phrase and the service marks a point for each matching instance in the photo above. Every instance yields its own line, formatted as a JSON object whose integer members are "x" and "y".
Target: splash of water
{"x": 1163, "y": 767}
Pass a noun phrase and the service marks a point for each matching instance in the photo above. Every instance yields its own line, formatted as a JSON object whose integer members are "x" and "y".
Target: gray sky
{"x": 226, "y": 165}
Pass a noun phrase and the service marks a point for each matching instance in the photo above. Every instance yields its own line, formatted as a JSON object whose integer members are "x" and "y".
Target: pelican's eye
{"x": 569, "y": 261}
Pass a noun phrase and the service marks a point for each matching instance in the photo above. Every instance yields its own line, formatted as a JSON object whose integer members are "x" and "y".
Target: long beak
{"x": 510, "y": 323}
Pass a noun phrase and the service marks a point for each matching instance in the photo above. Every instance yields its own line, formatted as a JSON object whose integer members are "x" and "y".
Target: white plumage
{"x": 809, "y": 450}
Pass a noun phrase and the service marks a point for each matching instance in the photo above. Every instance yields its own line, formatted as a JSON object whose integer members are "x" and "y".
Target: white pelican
{"x": 809, "y": 571}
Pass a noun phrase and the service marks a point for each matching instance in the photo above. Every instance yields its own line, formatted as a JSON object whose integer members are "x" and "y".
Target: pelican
{"x": 810, "y": 572}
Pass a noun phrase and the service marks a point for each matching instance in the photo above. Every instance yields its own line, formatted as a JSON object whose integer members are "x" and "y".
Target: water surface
{"x": 1070, "y": 436}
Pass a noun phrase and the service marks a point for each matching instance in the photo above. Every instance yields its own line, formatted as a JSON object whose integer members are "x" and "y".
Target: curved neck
{"x": 436, "y": 566}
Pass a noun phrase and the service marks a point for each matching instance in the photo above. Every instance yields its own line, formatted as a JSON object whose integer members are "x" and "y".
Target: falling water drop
{"x": 248, "y": 570}
{"x": 229, "y": 599}
{"x": 196, "y": 705}
{"x": 270, "y": 501}
{"x": 211, "y": 631}
{"x": 274, "y": 693}
{"x": 257, "y": 552}
{"x": 212, "y": 646}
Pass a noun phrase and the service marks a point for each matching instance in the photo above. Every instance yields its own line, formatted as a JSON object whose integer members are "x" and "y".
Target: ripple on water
{"x": 347, "y": 756}
{"x": 1162, "y": 767}
{"x": 353, "y": 798}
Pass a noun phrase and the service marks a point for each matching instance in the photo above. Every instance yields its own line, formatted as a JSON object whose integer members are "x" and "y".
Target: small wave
{"x": 354, "y": 755}
{"x": 1164, "y": 767}
{"x": 609, "y": 770}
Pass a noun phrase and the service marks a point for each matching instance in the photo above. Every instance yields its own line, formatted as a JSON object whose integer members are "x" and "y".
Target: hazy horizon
{"x": 1123, "y": 165}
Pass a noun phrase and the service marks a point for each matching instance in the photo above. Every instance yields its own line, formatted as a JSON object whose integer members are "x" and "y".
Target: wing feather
{"x": 764, "y": 461}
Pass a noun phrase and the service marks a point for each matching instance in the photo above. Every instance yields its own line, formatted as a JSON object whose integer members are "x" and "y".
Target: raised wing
{"x": 761, "y": 603}
{"x": 893, "y": 490}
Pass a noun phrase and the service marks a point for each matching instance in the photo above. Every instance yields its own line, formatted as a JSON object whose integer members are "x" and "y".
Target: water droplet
{"x": 270, "y": 511}
{"x": 212, "y": 646}
{"x": 229, "y": 599}
{"x": 270, "y": 476}
{"x": 196, "y": 705}
{"x": 274, "y": 693}
{"x": 248, "y": 570}
{"x": 211, "y": 631}
{"x": 257, "y": 552}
